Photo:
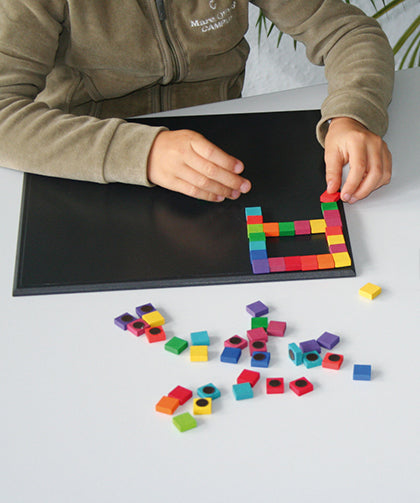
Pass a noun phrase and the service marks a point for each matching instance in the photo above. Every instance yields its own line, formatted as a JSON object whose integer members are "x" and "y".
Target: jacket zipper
{"x": 160, "y": 6}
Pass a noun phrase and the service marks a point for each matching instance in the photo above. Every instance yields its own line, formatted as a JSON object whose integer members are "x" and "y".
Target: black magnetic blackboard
{"x": 79, "y": 236}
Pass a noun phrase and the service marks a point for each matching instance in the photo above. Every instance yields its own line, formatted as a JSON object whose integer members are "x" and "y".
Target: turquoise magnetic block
{"x": 295, "y": 354}
{"x": 243, "y": 391}
{"x": 200, "y": 338}
{"x": 254, "y": 210}
{"x": 208, "y": 391}
{"x": 257, "y": 245}
{"x": 312, "y": 359}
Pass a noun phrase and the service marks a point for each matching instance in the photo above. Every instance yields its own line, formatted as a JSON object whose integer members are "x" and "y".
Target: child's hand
{"x": 184, "y": 161}
{"x": 370, "y": 161}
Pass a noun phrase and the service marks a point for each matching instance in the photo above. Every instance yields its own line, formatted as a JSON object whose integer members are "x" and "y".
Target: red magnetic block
{"x": 276, "y": 328}
{"x": 276, "y": 264}
{"x": 340, "y": 248}
{"x": 302, "y": 227}
{"x": 155, "y": 334}
{"x": 181, "y": 393}
{"x": 236, "y": 342}
{"x": 254, "y": 219}
{"x": 293, "y": 263}
{"x": 333, "y": 230}
{"x": 309, "y": 263}
{"x": 248, "y": 376}
{"x": 332, "y": 218}
{"x": 301, "y": 386}
{"x": 137, "y": 327}
{"x": 256, "y": 346}
{"x": 332, "y": 361}
{"x": 329, "y": 198}
{"x": 257, "y": 334}
{"x": 274, "y": 385}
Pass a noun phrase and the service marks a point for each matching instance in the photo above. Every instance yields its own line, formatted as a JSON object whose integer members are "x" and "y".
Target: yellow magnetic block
{"x": 318, "y": 226}
{"x": 252, "y": 228}
{"x": 341, "y": 259}
{"x": 370, "y": 291}
{"x": 199, "y": 353}
{"x": 154, "y": 319}
{"x": 337, "y": 239}
{"x": 202, "y": 406}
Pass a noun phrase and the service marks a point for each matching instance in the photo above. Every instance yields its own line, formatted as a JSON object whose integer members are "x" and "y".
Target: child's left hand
{"x": 370, "y": 161}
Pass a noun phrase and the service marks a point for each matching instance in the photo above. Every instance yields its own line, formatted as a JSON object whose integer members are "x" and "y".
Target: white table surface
{"x": 77, "y": 395}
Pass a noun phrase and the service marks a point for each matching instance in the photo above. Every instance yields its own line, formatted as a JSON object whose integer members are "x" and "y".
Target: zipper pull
{"x": 160, "y": 6}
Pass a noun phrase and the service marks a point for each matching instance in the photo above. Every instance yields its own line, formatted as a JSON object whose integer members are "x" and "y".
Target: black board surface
{"x": 79, "y": 236}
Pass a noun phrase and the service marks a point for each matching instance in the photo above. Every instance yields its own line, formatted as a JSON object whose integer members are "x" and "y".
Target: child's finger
{"x": 358, "y": 162}
{"x": 333, "y": 169}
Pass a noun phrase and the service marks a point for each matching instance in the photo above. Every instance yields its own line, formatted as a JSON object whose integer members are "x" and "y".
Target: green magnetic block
{"x": 259, "y": 321}
{"x": 253, "y": 228}
{"x": 176, "y": 345}
{"x": 184, "y": 421}
{"x": 287, "y": 228}
{"x": 257, "y": 236}
{"x": 329, "y": 206}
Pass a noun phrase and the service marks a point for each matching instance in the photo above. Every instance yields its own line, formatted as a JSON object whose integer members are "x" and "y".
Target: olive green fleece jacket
{"x": 70, "y": 70}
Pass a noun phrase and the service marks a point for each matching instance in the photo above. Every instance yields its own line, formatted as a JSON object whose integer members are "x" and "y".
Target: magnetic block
{"x": 325, "y": 261}
{"x": 328, "y": 340}
{"x": 318, "y": 226}
{"x": 326, "y": 197}
{"x": 292, "y": 263}
{"x": 250, "y": 376}
{"x": 257, "y": 254}
{"x": 202, "y": 406}
{"x": 155, "y": 334}
{"x": 253, "y": 210}
{"x": 301, "y": 386}
{"x": 200, "y": 338}
{"x": 274, "y": 385}
{"x": 310, "y": 345}
{"x": 144, "y": 309}
{"x": 276, "y": 264}
{"x": 332, "y": 218}
{"x": 309, "y": 263}
{"x": 260, "y": 266}
{"x": 370, "y": 291}
{"x": 257, "y": 334}
{"x": 312, "y": 359}
{"x": 333, "y": 230}
{"x": 254, "y": 219}
{"x": 123, "y": 320}
{"x": 257, "y": 308}
{"x": 276, "y": 328}
{"x": 184, "y": 422}
{"x": 257, "y": 236}
{"x": 230, "y": 355}
{"x": 302, "y": 227}
{"x": 257, "y": 346}
{"x": 176, "y": 345}
{"x": 254, "y": 228}
{"x": 259, "y": 321}
{"x": 341, "y": 259}
{"x": 236, "y": 342}
{"x": 332, "y": 361}
{"x": 271, "y": 229}
{"x": 260, "y": 359}
{"x": 362, "y": 372}
{"x": 338, "y": 248}
{"x": 242, "y": 391}
{"x": 329, "y": 206}
{"x": 295, "y": 353}
{"x": 154, "y": 319}
{"x": 181, "y": 393}
{"x": 208, "y": 391}
{"x": 199, "y": 353}
{"x": 286, "y": 228}
{"x": 137, "y": 327}
{"x": 257, "y": 245}
{"x": 167, "y": 405}
{"x": 337, "y": 239}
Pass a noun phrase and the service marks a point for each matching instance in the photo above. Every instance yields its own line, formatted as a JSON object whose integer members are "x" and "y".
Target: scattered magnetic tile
{"x": 259, "y": 321}
{"x": 295, "y": 353}
{"x": 332, "y": 361}
{"x": 257, "y": 346}
{"x": 236, "y": 342}
{"x": 242, "y": 391}
{"x": 362, "y": 372}
{"x": 200, "y": 338}
{"x": 123, "y": 320}
{"x": 260, "y": 359}
{"x": 328, "y": 340}
{"x": 301, "y": 386}
{"x": 311, "y": 345}
{"x": 370, "y": 291}
{"x": 250, "y": 376}
{"x": 137, "y": 327}
{"x": 202, "y": 406}
{"x": 276, "y": 328}
{"x": 176, "y": 345}
{"x": 230, "y": 355}
{"x": 312, "y": 359}
{"x": 184, "y": 422}
{"x": 155, "y": 334}
{"x": 257, "y": 334}
{"x": 274, "y": 385}
{"x": 199, "y": 353}
{"x": 144, "y": 309}
{"x": 154, "y": 319}
{"x": 167, "y": 405}
{"x": 181, "y": 393}
{"x": 257, "y": 308}
{"x": 208, "y": 391}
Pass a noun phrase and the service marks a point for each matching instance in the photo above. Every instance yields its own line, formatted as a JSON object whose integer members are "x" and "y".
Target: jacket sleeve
{"x": 37, "y": 139}
{"x": 359, "y": 63}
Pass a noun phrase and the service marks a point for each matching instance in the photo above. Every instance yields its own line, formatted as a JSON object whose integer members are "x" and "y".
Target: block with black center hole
{"x": 328, "y": 340}
{"x": 144, "y": 309}
{"x": 242, "y": 391}
{"x": 184, "y": 422}
{"x": 276, "y": 328}
{"x": 154, "y": 319}
{"x": 202, "y": 406}
{"x": 312, "y": 359}
{"x": 301, "y": 386}
{"x": 332, "y": 361}
{"x": 230, "y": 355}
{"x": 250, "y": 376}
{"x": 176, "y": 345}
{"x": 310, "y": 345}
{"x": 155, "y": 334}
{"x": 257, "y": 346}
{"x": 236, "y": 342}
{"x": 274, "y": 385}
{"x": 259, "y": 321}
{"x": 257, "y": 334}
{"x": 137, "y": 327}
{"x": 167, "y": 405}
{"x": 257, "y": 308}
{"x": 295, "y": 353}
{"x": 362, "y": 372}
{"x": 200, "y": 338}
{"x": 181, "y": 393}
{"x": 123, "y": 320}
{"x": 199, "y": 353}
{"x": 260, "y": 359}
{"x": 208, "y": 391}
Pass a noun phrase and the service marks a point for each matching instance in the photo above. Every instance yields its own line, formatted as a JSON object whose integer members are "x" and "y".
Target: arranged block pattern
{"x": 370, "y": 291}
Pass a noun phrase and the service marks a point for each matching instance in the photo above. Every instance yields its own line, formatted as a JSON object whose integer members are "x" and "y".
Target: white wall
{"x": 271, "y": 68}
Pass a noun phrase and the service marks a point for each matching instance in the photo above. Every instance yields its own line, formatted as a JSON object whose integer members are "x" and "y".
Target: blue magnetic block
{"x": 362, "y": 372}
{"x": 254, "y": 210}
{"x": 230, "y": 355}
{"x": 243, "y": 391}
{"x": 208, "y": 391}
{"x": 327, "y": 340}
{"x": 260, "y": 266}
{"x": 295, "y": 354}
{"x": 145, "y": 309}
{"x": 311, "y": 345}
{"x": 257, "y": 245}
{"x": 123, "y": 320}
{"x": 257, "y": 254}
{"x": 312, "y": 359}
{"x": 200, "y": 338}
{"x": 260, "y": 359}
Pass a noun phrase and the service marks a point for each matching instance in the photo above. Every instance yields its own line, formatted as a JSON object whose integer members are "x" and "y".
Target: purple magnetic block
{"x": 277, "y": 264}
{"x": 258, "y": 254}
{"x": 144, "y": 309}
{"x": 123, "y": 320}
{"x": 257, "y": 334}
{"x": 332, "y": 218}
{"x": 302, "y": 227}
{"x": 308, "y": 346}
{"x": 276, "y": 328}
{"x": 327, "y": 340}
{"x": 338, "y": 248}
{"x": 257, "y": 309}
{"x": 260, "y": 266}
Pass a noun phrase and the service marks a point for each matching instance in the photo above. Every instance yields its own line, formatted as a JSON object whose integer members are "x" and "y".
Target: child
{"x": 70, "y": 70}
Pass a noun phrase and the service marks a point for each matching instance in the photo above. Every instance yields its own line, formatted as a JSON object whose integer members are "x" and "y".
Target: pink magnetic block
{"x": 138, "y": 327}
{"x": 293, "y": 263}
{"x": 248, "y": 376}
{"x": 302, "y": 227}
{"x": 332, "y": 218}
{"x": 257, "y": 334}
{"x": 183, "y": 394}
{"x": 256, "y": 346}
{"x": 277, "y": 264}
{"x": 338, "y": 248}
{"x": 276, "y": 328}
{"x": 236, "y": 342}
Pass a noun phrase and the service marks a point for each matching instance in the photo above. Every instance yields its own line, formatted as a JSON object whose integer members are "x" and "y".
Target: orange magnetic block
{"x": 318, "y": 226}
{"x": 309, "y": 263}
{"x": 325, "y": 261}
{"x": 167, "y": 405}
{"x": 337, "y": 239}
{"x": 271, "y": 229}
{"x": 254, "y": 219}
{"x": 341, "y": 259}
{"x": 329, "y": 198}
{"x": 334, "y": 230}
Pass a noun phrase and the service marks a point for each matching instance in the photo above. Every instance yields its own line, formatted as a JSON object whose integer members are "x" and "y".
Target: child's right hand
{"x": 186, "y": 162}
